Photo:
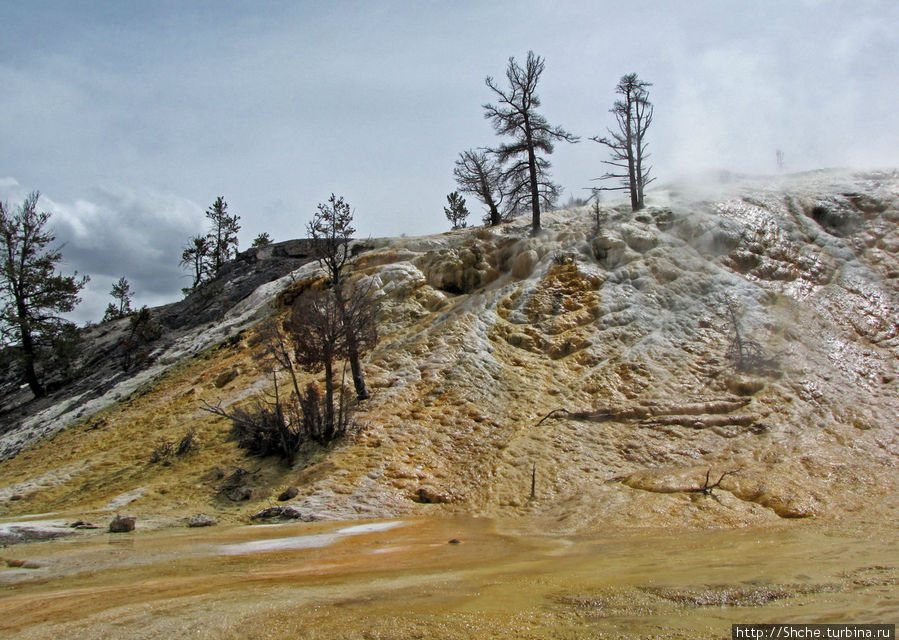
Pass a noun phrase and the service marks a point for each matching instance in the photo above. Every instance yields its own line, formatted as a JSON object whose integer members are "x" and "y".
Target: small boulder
{"x": 640, "y": 240}
{"x": 225, "y": 377}
{"x": 288, "y": 494}
{"x": 201, "y": 520}
{"x": 284, "y": 513}
{"x": 22, "y": 564}
{"x": 122, "y": 524}
{"x": 430, "y": 495}
{"x": 239, "y": 494}
{"x": 743, "y": 385}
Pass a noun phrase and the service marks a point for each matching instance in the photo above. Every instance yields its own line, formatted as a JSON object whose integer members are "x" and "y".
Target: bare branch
{"x": 633, "y": 115}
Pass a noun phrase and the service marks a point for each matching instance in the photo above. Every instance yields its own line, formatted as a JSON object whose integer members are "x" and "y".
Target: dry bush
{"x": 282, "y": 428}
{"x": 187, "y": 443}
{"x": 165, "y": 450}
{"x": 162, "y": 453}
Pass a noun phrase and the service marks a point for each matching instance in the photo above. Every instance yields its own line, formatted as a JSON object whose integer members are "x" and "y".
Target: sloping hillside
{"x": 593, "y": 362}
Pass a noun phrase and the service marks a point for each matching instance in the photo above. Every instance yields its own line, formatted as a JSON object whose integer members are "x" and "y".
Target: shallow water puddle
{"x": 309, "y": 541}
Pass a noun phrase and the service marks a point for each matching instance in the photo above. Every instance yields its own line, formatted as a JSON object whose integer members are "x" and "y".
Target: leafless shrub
{"x": 708, "y": 486}
{"x": 162, "y": 453}
{"x": 746, "y": 354}
{"x": 233, "y": 486}
{"x": 166, "y": 450}
{"x": 187, "y": 442}
{"x": 271, "y": 428}
{"x": 235, "y": 479}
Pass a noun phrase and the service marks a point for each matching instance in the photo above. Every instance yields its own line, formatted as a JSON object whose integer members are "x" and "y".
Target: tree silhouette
{"x": 222, "y": 234}
{"x": 526, "y": 176}
{"x": 633, "y": 115}
{"x": 456, "y": 212}
{"x": 479, "y": 175}
{"x": 121, "y": 292}
{"x": 196, "y": 257}
{"x": 32, "y": 293}
{"x": 331, "y": 231}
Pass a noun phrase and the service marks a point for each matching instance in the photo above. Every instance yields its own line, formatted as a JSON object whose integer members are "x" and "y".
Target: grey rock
{"x": 122, "y": 524}
{"x": 201, "y": 520}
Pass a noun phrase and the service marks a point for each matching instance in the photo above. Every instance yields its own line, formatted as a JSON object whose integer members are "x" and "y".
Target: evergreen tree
{"x": 456, "y": 212}
{"x": 121, "y": 292}
{"x": 526, "y": 177}
{"x": 222, "y": 235}
{"x": 32, "y": 293}
{"x": 479, "y": 175}
{"x": 262, "y": 240}
{"x": 196, "y": 256}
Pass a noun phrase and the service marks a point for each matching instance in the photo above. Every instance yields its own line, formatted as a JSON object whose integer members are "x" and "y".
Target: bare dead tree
{"x": 318, "y": 337}
{"x": 598, "y": 214}
{"x": 480, "y": 175}
{"x": 278, "y": 351}
{"x": 533, "y": 481}
{"x": 745, "y": 353}
{"x": 515, "y": 115}
{"x": 331, "y": 230}
{"x": 322, "y": 332}
{"x": 633, "y": 115}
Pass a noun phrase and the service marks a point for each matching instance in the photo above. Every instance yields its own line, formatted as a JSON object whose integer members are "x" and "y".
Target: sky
{"x": 130, "y": 118}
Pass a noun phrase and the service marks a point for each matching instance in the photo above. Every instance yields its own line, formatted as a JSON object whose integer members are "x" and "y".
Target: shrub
{"x": 187, "y": 443}
{"x": 162, "y": 453}
{"x": 166, "y": 450}
{"x": 142, "y": 330}
{"x": 282, "y": 428}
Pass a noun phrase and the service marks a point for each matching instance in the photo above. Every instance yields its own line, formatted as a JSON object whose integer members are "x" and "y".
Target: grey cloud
{"x": 120, "y": 231}
{"x": 277, "y": 109}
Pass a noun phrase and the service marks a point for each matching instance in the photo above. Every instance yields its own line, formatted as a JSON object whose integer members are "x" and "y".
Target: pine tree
{"x": 479, "y": 175}
{"x": 32, "y": 293}
{"x": 526, "y": 178}
{"x": 122, "y": 293}
{"x": 196, "y": 256}
{"x": 222, "y": 235}
{"x": 456, "y": 212}
{"x": 262, "y": 240}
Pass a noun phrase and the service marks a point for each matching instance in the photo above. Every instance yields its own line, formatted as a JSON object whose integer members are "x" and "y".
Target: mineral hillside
{"x": 598, "y": 362}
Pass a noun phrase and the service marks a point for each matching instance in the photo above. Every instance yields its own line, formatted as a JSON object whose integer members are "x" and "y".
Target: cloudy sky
{"x": 131, "y": 117}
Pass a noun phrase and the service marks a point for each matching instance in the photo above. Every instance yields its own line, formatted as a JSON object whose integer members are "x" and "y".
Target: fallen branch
{"x": 706, "y": 488}
{"x": 600, "y": 415}
{"x": 700, "y": 422}
{"x": 652, "y": 412}
{"x": 712, "y": 406}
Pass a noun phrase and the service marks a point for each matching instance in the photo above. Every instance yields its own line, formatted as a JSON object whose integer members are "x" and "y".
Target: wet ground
{"x": 445, "y": 578}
